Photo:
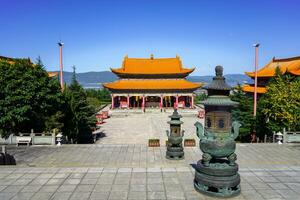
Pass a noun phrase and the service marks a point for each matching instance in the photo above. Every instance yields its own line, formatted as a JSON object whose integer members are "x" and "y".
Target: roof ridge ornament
{"x": 151, "y": 56}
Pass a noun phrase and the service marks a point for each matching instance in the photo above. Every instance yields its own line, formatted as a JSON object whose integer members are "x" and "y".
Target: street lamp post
{"x": 255, "y": 80}
{"x": 61, "y": 44}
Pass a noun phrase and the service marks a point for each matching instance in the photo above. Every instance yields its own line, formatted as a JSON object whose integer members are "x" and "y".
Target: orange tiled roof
{"x": 249, "y": 88}
{"x": 52, "y": 74}
{"x": 151, "y": 84}
{"x": 286, "y": 65}
{"x": 152, "y": 66}
{"x": 12, "y": 60}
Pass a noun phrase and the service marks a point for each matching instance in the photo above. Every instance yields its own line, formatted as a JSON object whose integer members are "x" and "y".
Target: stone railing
{"x": 36, "y": 138}
{"x": 291, "y": 136}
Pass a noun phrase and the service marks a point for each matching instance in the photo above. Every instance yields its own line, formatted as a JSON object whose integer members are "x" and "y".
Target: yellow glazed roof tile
{"x": 286, "y": 65}
{"x": 152, "y": 66}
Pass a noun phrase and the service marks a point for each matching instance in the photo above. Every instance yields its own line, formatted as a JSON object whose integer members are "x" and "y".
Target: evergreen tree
{"x": 28, "y": 97}
{"x": 80, "y": 116}
{"x": 243, "y": 113}
{"x": 281, "y": 104}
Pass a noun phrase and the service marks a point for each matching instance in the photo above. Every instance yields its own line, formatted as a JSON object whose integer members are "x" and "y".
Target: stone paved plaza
{"x": 138, "y": 127}
{"x": 131, "y": 170}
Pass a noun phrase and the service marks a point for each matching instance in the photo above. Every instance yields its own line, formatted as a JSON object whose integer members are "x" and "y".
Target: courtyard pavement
{"x": 127, "y": 170}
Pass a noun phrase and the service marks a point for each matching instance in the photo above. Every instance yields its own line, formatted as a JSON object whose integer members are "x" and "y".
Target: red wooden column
{"x": 143, "y": 103}
{"x": 128, "y": 101}
{"x": 161, "y": 101}
{"x": 112, "y": 101}
{"x": 192, "y": 104}
{"x": 176, "y": 106}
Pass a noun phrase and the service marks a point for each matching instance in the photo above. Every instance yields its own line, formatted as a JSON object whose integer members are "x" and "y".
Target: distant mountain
{"x": 91, "y": 79}
{"x": 94, "y": 79}
{"x": 231, "y": 79}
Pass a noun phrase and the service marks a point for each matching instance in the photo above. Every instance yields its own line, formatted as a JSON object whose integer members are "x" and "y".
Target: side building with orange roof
{"x": 12, "y": 60}
{"x": 152, "y": 82}
{"x": 286, "y": 66}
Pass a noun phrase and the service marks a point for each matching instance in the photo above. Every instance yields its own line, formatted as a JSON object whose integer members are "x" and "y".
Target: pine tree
{"x": 243, "y": 113}
{"x": 79, "y": 115}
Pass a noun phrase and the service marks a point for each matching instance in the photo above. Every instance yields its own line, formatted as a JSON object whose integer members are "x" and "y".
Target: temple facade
{"x": 152, "y": 82}
{"x": 286, "y": 66}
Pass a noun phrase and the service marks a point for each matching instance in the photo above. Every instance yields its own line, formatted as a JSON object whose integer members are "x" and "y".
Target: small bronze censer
{"x": 174, "y": 143}
{"x": 217, "y": 172}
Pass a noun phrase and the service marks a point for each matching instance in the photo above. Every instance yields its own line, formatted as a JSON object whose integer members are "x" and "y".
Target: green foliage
{"x": 80, "y": 114}
{"x": 281, "y": 104}
{"x": 243, "y": 113}
{"x": 98, "y": 98}
{"x": 200, "y": 97}
{"x": 28, "y": 97}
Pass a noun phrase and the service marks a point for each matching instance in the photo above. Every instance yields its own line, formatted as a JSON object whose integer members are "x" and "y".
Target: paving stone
{"x": 102, "y": 188}
{"x": 104, "y": 180}
{"x": 7, "y": 181}
{"x": 61, "y": 196}
{"x": 122, "y": 181}
{"x": 95, "y": 170}
{"x": 125, "y": 170}
{"x": 84, "y": 188}
{"x": 22, "y": 181}
{"x": 6, "y": 195}
{"x": 80, "y": 195}
{"x": 155, "y": 187}
{"x": 99, "y": 195}
{"x": 72, "y": 181}
{"x": 138, "y": 188}
{"x": 92, "y": 175}
{"x": 2, "y": 187}
{"x": 156, "y": 195}
{"x": 175, "y": 195}
{"x": 42, "y": 195}
{"x": 66, "y": 188}
{"x": 46, "y": 176}
{"x": 55, "y": 181}
{"x": 88, "y": 181}
{"x": 118, "y": 195}
{"x": 277, "y": 186}
{"x": 138, "y": 195}
{"x": 39, "y": 181}
{"x": 120, "y": 188}
{"x": 31, "y": 188}
{"x": 49, "y": 188}
{"x": 12, "y": 188}
{"x": 23, "y": 196}
{"x": 271, "y": 194}
{"x": 76, "y": 175}
{"x": 60, "y": 175}
{"x": 139, "y": 169}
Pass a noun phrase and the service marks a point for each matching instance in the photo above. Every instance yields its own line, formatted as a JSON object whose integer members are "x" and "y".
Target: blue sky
{"x": 98, "y": 34}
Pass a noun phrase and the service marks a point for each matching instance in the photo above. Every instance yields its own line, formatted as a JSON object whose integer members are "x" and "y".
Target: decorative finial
{"x": 219, "y": 70}
{"x": 152, "y": 56}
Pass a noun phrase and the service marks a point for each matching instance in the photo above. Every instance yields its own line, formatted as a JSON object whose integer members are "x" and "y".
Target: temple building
{"x": 286, "y": 66}
{"x": 152, "y": 82}
{"x": 12, "y": 60}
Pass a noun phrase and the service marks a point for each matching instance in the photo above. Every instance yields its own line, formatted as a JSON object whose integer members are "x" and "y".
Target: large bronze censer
{"x": 217, "y": 172}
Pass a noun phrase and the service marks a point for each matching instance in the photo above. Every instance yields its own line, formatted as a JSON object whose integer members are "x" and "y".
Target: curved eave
{"x": 122, "y": 73}
{"x": 152, "y": 85}
{"x": 250, "y": 89}
{"x": 265, "y": 73}
{"x": 295, "y": 72}
{"x": 217, "y": 100}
